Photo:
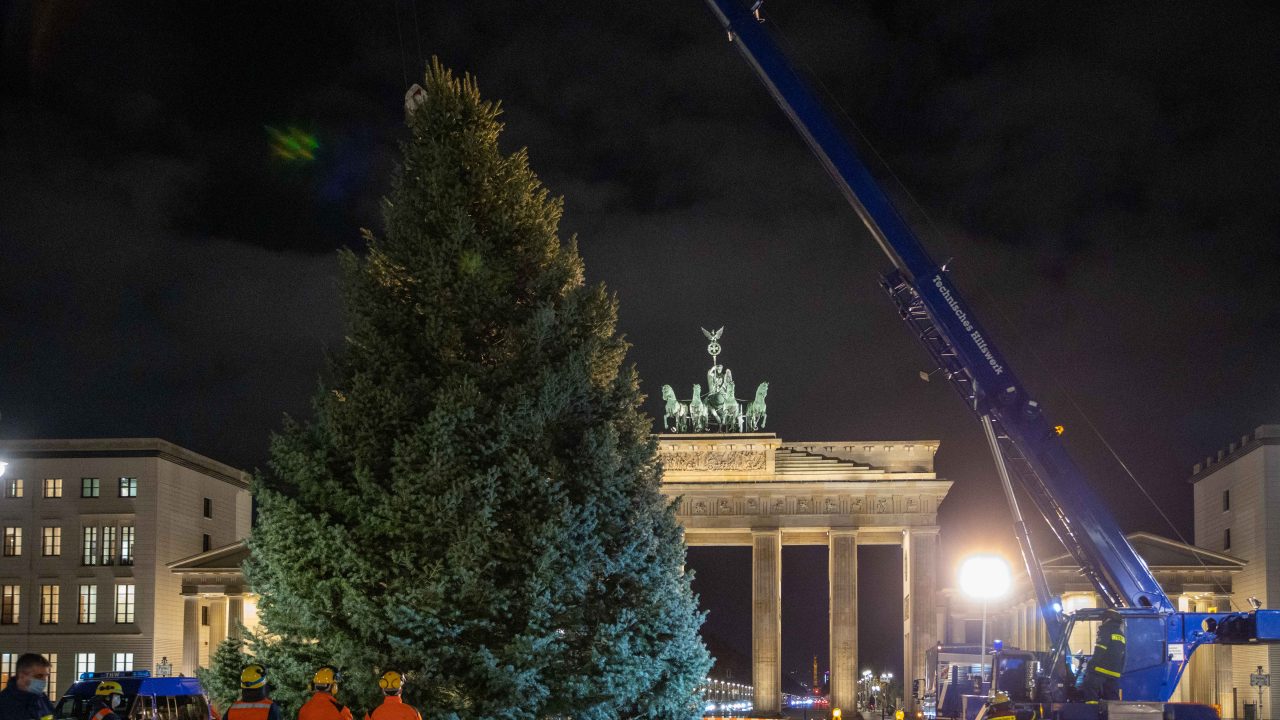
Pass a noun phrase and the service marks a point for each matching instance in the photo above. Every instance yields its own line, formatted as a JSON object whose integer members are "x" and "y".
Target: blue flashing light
{"x": 1057, "y": 607}
{"x": 998, "y": 645}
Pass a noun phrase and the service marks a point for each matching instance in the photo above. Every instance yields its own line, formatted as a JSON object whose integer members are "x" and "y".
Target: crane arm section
{"x": 950, "y": 330}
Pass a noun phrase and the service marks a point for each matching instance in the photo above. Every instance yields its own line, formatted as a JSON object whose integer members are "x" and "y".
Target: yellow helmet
{"x": 253, "y": 676}
{"x": 326, "y": 677}
{"x": 109, "y": 687}
{"x": 1000, "y": 697}
{"x": 391, "y": 682}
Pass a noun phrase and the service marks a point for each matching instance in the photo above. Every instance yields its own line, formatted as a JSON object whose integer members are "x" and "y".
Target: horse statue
{"x": 675, "y": 411}
{"x": 757, "y": 414}
{"x": 720, "y": 400}
{"x": 698, "y": 414}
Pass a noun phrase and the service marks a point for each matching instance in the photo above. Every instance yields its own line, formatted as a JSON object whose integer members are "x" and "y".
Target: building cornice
{"x": 88, "y": 448}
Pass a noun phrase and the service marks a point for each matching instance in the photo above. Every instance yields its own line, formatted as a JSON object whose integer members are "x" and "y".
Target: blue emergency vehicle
{"x": 145, "y": 697}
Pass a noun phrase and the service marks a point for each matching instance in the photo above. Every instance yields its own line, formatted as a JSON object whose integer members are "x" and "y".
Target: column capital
{"x": 922, "y": 530}
{"x": 842, "y": 532}
{"x": 766, "y": 531}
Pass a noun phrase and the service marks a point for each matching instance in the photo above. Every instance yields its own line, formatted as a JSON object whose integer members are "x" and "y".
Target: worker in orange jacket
{"x": 255, "y": 702}
{"x": 324, "y": 704}
{"x": 392, "y": 707}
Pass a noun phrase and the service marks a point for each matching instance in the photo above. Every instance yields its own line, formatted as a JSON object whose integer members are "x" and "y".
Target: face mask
{"x": 38, "y": 686}
{"x": 116, "y": 700}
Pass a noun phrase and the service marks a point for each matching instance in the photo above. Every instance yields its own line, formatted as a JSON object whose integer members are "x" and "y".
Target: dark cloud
{"x": 1103, "y": 175}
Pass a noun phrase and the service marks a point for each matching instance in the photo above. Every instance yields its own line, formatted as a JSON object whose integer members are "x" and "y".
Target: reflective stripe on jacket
{"x": 250, "y": 710}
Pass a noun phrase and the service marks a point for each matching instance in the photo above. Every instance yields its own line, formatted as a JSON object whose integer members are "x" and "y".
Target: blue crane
{"x": 1026, "y": 446}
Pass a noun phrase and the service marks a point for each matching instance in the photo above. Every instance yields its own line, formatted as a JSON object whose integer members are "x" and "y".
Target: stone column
{"x": 766, "y": 620}
{"x": 920, "y": 562}
{"x": 217, "y": 624}
{"x": 842, "y": 567}
{"x": 190, "y": 635}
{"x": 235, "y": 615}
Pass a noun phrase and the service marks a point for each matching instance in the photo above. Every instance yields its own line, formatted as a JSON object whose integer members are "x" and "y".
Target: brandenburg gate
{"x": 744, "y": 488}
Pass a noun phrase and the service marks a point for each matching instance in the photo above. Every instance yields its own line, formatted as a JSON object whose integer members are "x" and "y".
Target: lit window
{"x": 109, "y": 545}
{"x": 53, "y": 674}
{"x": 128, "y": 487}
{"x": 121, "y": 662}
{"x": 88, "y": 604}
{"x": 13, "y": 488}
{"x": 53, "y": 487}
{"x": 124, "y": 603}
{"x": 208, "y": 507}
{"x": 90, "y": 487}
{"x": 49, "y": 596}
{"x": 12, "y": 541}
{"x": 51, "y": 541}
{"x": 89, "y": 546}
{"x": 126, "y": 545}
{"x": 10, "y": 604}
{"x": 8, "y": 664}
{"x": 85, "y": 663}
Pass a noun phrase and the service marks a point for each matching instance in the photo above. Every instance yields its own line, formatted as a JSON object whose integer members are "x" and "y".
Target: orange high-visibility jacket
{"x": 393, "y": 708}
{"x": 323, "y": 706}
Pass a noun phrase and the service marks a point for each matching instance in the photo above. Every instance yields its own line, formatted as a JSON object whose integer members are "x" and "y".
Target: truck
{"x": 1024, "y": 444}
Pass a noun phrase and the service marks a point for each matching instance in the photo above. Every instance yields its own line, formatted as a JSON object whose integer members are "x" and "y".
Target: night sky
{"x": 1105, "y": 177}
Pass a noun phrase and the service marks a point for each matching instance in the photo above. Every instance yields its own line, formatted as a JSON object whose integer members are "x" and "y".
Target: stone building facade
{"x": 90, "y": 527}
{"x": 1237, "y": 511}
{"x": 755, "y": 490}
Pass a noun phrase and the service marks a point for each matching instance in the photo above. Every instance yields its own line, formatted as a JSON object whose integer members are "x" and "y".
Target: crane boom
{"x": 1161, "y": 638}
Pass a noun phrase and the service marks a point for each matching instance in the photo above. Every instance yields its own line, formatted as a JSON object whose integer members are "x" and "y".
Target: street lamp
{"x": 984, "y": 577}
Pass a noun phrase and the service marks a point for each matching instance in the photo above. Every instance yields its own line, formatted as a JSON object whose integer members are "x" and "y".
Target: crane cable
{"x": 938, "y": 236}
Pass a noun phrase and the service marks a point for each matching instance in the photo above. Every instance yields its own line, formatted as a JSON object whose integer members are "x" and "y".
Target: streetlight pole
{"x": 984, "y": 577}
{"x": 982, "y": 661}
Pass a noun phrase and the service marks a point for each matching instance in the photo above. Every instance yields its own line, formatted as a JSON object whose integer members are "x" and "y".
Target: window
{"x": 89, "y": 546}
{"x": 10, "y": 604}
{"x": 53, "y": 487}
{"x": 13, "y": 488}
{"x": 51, "y": 541}
{"x": 49, "y": 596}
{"x": 12, "y": 541}
{"x": 128, "y": 487}
{"x": 89, "y": 487}
{"x": 208, "y": 507}
{"x": 1226, "y": 500}
{"x": 124, "y": 603}
{"x": 204, "y": 615}
{"x": 126, "y": 545}
{"x": 53, "y": 674}
{"x": 85, "y": 663}
{"x": 1226, "y": 539}
{"x": 109, "y": 545}
{"x": 88, "y": 612}
{"x": 8, "y": 664}
{"x": 121, "y": 661}
{"x": 206, "y": 542}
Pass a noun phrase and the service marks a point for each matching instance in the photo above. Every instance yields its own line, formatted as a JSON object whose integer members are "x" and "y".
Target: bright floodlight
{"x": 985, "y": 576}
{"x": 3, "y": 465}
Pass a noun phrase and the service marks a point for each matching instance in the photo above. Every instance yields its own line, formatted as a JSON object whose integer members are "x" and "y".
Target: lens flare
{"x": 292, "y": 144}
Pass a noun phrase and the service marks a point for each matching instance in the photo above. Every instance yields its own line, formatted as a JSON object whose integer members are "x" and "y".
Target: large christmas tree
{"x": 476, "y": 500}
